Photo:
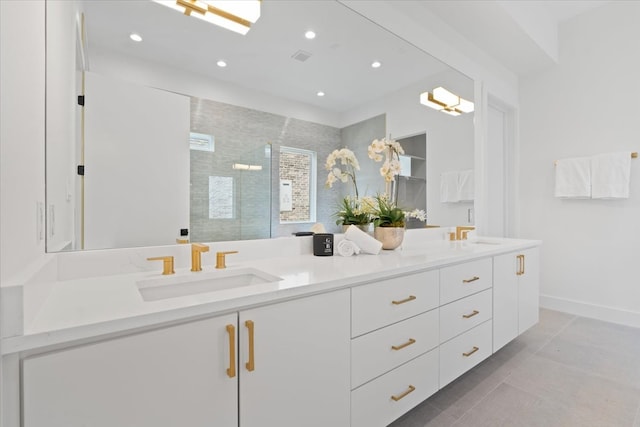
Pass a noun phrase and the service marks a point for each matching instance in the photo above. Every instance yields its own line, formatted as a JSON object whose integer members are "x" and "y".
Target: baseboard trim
{"x": 600, "y": 312}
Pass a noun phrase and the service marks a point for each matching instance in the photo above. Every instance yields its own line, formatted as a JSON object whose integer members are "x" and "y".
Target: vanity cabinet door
{"x": 175, "y": 376}
{"x": 516, "y": 285}
{"x": 300, "y": 372}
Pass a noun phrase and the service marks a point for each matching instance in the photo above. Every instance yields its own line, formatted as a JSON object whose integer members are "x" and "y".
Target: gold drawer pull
{"x": 250, "y": 365}
{"x": 401, "y": 346}
{"x": 411, "y": 298}
{"x": 470, "y": 315}
{"x": 473, "y": 279}
{"x": 231, "y": 371}
{"x": 402, "y": 395}
{"x": 471, "y": 352}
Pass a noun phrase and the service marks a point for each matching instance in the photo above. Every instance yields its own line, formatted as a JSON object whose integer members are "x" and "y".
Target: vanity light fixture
{"x": 135, "y": 37}
{"x": 234, "y": 15}
{"x": 447, "y": 102}
{"x": 310, "y": 35}
{"x": 376, "y": 64}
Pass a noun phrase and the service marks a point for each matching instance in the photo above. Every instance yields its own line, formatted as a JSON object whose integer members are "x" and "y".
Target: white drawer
{"x": 380, "y": 351}
{"x": 382, "y": 303}
{"x": 461, "y": 315}
{"x": 461, "y": 280}
{"x": 372, "y": 404}
{"x": 463, "y": 352}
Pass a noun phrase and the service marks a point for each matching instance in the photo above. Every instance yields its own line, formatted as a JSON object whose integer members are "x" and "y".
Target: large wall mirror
{"x": 197, "y": 128}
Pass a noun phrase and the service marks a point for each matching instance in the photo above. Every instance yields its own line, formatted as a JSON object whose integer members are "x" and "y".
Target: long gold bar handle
{"x": 520, "y": 269}
{"x": 251, "y": 363}
{"x": 401, "y": 346}
{"x": 231, "y": 370}
{"x": 411, "y": 298}
{"x": 473, "y": 279}
{"x": 470, "y": 352}
{"x": 404, "y": 394}
{"x": 470, "y": 315}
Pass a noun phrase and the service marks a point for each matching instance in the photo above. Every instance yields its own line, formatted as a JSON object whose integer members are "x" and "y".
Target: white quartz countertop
{"x": 83, "y": 308}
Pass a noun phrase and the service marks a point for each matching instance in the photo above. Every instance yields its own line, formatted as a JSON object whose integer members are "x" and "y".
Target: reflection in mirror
{"x": 148, "y": 104}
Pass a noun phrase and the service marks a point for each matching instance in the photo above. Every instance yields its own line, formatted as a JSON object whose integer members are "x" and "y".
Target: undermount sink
{"x": 485, "y": 242}
{"x": 158, "y": 288}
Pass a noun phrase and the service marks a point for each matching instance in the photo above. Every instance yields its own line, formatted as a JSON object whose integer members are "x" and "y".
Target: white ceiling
{"x": 340, "y": 62}
{"x": 520, "y": 34}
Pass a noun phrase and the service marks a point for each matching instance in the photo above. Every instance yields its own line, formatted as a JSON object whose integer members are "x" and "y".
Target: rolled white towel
{"x": 347, "y": 248}
{"x": 365, "y": 242}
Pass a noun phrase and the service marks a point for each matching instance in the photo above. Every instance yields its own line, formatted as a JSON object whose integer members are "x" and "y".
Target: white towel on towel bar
{"x": 610, "y": 175}
{"x": 573, "y": 178}
{"x": 465, "y": 186}
{"x": 449, "y": 187}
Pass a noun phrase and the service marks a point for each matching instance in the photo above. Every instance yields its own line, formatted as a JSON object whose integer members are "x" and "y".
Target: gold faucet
{"x": 220, "y": 258}
{"x": 196, "y": 259}
{"x": 461, "y": 232}
{"x": 167, "y": 266}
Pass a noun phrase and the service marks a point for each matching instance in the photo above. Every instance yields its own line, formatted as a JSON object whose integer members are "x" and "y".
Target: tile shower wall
{"x": 243, "y": 135}
{"x": 240, "y": 136}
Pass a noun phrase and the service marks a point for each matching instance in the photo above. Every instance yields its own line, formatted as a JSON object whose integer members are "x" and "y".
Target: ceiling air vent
{"x": 301, "y": 56}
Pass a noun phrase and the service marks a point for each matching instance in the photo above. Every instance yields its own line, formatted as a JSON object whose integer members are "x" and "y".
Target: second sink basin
{"x": 158, "y": 288}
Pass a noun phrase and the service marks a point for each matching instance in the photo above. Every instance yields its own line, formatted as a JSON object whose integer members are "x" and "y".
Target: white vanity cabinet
{"x": 394, "y": 350}
{"x": 292, "y": 370}
{"x": 301, "y": 367}
{"x": 516, "y": 285}
{"x": 465, "y": 317}
{"x": 167, "y": 377}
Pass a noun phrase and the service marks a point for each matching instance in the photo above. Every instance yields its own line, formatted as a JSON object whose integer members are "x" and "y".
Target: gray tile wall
{"x": 241, "y": 135}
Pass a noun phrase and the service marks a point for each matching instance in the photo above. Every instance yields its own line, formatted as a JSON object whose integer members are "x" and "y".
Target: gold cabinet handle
{"x": 402, "y": 301}
{"x": 167, "y": 264}
{"x": 473, "y": 279}
{"x": 520, "y": 265}
{"x": 231, "y": 370}
{"x": 470, "y": 315}
{"x": 251, "y": 363}
{"x": 401, "y": 346}
{"x": 403, "y": 394}
{"x": 469, "y": 353}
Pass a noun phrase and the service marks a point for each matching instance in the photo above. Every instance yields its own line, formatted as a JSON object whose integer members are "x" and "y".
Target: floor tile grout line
{"x": 503, "y": 381}
{"x": 561, "y": 330}
{"x": 582, "y": 371}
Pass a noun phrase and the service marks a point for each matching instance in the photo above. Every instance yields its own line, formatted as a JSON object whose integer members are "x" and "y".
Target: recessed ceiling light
{"x": 221, "y": 64}
{"x": 376, "y": 64}
{"x": 135, "y": 37}
{"x": 320, "y": 93}
{"x": 310, "y": 35}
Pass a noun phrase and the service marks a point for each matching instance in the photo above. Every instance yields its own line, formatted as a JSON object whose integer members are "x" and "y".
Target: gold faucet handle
{"x": 220, "y": 258}
{"x": 462, "y": 231}
{"x": 167, "y": 266}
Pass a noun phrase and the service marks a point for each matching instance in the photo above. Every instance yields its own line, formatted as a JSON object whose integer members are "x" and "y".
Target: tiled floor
{"x": 565, "y": 371}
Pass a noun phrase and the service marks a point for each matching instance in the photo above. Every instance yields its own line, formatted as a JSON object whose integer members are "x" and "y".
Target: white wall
{"x": 21, "y": 154}
{"x": 22, "y": 79}
{"x": 586, "y": 105}
{"x": 61, "y": 130}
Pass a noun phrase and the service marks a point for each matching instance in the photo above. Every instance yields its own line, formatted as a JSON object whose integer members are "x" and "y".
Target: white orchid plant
{"x": 392, "y": 150}
{"x": 343, "y": 171}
